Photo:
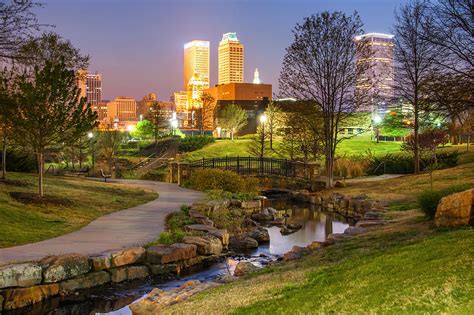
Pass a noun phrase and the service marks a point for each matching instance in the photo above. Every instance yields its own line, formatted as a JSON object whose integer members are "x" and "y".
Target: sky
{"x": 137, "y": 45}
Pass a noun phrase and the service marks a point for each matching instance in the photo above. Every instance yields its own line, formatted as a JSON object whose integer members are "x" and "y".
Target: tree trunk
{"x": 40, "y": 173}
{"x": 416, "y": 148}
{"x": 4, "y": 157}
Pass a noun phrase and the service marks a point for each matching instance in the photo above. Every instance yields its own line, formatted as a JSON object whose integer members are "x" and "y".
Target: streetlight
{"x": 173, "y": 123}
{"x": 377, "y": 121}
{"x": 90, "y": 135}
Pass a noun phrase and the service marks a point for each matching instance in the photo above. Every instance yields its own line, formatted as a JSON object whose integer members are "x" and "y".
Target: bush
{"x": 194, "y": 143}
{"x": 404, "y": 164}
{"x": 429, "y": 200}
{"x": 156, "y": 175}
{"x": 350, "y": 167}
{"x": 19, "y": 162}
{"x": 220, "y": 195}
{"x": 216, "y": 179}
{"x": 171, "y": 237}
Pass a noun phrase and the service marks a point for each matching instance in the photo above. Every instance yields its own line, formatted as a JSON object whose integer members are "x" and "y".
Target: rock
{"x": 294, "y": 226}
{"x": 21, "y": 297}
{"x": 226, "y": 279}
{"x": 353, "y": 230}
{"x": 272, "y": 210}
{"x": 277, "y": 222}
{"x": 369, "y": 223}
{"x": 200, "y": 218}
{"x": 118, "y": 274}
{"x": 250, "y": 204}
{"x": 192, "y": 261}
{"x": 339, "y": 184}
{"x": 249, "y": 223}
{"x": 296, "y": 253}
{"x": 216, "y": 205}
{"x": 163, "y": 254}
{"x": 260, "y": 235}
{"x": 456, "y": 209}
{"x": 242, "y": 242}
{"x": 164, "y": 269}
{"x": 87, "y": 281}
{"x": 262, "y": 216}
{"x": 286, "y": 231}
{"x": 243, "y": 268}
{"x": 334, "y": 238}
{"x": 206, "y": 245}
{"x": 21, "y": 275}
{"x": 158, "y": 299}
{"x": 223, "y": 235}
{"x": 137, "y": 272}
{"x": 101, "y": 262}
{"x": 371, "y": 215}
{"x": 128, "y": 256}
{"x": 58, "y": 268}
{"x": 314, "y": 246}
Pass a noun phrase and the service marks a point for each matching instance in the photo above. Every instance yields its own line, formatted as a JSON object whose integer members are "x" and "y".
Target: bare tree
{"x": 17, "y": 24}
{"x": 451, "y": 30}
{"x": 232, "y": 119}
{"x": 205, "y": 113}
{"x": 321, "y": 66}
{"x": 415, "y": 62}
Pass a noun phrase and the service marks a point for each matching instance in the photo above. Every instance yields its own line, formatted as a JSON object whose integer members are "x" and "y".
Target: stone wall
{"x": 24, "y": 284}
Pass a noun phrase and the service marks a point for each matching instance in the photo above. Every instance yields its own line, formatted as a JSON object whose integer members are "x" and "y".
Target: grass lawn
{"x": 70, "y": 204}
{"x": 239, "y": 147}
{"x": 407, "y": 266}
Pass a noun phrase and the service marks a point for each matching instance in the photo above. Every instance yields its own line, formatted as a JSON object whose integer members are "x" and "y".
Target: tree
{"x": 415, "y": 62}
{"x": 157, "y": 118}
{"x": 6, "y": 102}
{"x": 452, "y": 32}
{"x": 258, "y": 146}
{"x": 52, "y": 48}
{"x": 143, "y": 130}
{"x": 274, "y": 117}
{"x": 428, "y": 141}
{"x": 17, "y": 24}
{"x": 108, "y": 144}
{"x": 233, "y": 119}
{"x": 49, "y": 110}
{"x": 205, "y": 113}
{"x": 321, "y": 66}
{"x": 394, "y": 124}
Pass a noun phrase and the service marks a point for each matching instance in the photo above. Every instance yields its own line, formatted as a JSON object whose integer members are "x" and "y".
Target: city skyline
{"x": 135, "y": 69}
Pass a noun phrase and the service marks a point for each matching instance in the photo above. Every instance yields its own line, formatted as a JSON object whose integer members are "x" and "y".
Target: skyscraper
{"x": 91, "y": 87}
{"x": 230, "y": 60}
{"x": 196, "y": 60}
{"x": 380, "y": 73}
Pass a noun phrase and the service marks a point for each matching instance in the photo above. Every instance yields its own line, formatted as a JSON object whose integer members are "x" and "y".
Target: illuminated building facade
{"x": 144, "y": 105}
{"x": 240, "y": 92}
{"x": 380, "y": 73}
{"x": 196, "y": 60}
{"x": 230, "y": 60}
{"x": 180, "y": 101}
{"x": 122, "y": 108}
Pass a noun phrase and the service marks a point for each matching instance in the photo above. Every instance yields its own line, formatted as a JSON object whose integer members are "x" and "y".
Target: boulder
{"x": 163, "y": 254}
{"x": 262, "y": 216}
{"x": 296, "y": 253}
{"x": 456, "y": 209}
{"x": 128, "y": 256}
{"x": 101, "y": 262}
{"x": 118, "y": 274}
{"x": 242, "y": 242}
{"x": 243, "y": 268}
{"x": 87, "y": 281}
{"x": 260, "y": 234}
{"x": 206, "y": 245}
{"x": 58, "y": 268}
{"x": 136, "y": 272}
{"x": 314, "y": 246}
{"x": 21, "y": 297}
{"x": 353, "y": 230}
{"x": 158, "y": 299}
{"x": 164, "y": 269}
{"x": 200, "y": 218}
{"x": 21, "y": 275}
{"x": 192, "y": 261}
{"x": 222, "y": 234}
{"x": 334, "y": 238}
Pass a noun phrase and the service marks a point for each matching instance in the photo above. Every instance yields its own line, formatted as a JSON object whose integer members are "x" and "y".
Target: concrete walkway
{"x": 130, "y": 227}
{"x": 373, "y": 178}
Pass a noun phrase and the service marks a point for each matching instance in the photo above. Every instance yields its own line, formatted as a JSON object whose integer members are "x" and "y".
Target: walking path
{"x": 373, "y": 178}
{"x": 130, "y": 227}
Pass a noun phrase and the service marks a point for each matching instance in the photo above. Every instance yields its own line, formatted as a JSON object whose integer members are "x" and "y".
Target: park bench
{"x": 105, "y": 176}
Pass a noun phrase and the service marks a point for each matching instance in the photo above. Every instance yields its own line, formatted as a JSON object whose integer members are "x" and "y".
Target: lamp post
{"x": 90, "y": 135}
{"x": 377, "y": 121}
{"x": 173, "y": 123}
{"x": 263, "y": 120}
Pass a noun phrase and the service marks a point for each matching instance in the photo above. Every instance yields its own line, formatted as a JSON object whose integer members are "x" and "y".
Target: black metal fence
{"x": 257, "y": 166}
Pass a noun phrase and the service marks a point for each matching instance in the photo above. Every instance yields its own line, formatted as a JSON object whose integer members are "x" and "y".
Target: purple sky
{"x": 137, "y": 45}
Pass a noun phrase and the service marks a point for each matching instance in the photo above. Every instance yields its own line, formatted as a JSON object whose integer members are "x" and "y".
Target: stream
{"x": 115, "y": 299}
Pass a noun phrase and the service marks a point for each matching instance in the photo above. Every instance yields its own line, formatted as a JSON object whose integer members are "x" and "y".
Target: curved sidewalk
{"x": 130, "y": 227}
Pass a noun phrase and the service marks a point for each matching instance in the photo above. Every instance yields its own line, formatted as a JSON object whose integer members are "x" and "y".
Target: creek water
{"x": 115, "y": 299}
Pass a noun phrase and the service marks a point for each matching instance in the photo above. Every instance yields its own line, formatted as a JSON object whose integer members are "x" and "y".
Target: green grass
{"x": 79, "y": 201}
{"x": 239, "y": 147}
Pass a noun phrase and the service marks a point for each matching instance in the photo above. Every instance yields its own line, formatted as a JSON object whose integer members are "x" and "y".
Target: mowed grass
{"x": 405, "y": 267}
{"x": 359, "y": 145}
{"x": 79, "y": 201}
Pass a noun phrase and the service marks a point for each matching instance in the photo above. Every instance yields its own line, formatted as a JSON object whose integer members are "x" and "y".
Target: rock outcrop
{"x": 22, "y": 275}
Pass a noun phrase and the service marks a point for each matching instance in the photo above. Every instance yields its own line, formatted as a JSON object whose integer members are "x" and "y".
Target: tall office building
{"x": 91, "y": 86}
{"x": 230, "y": 60}
{"x": 122, "y": 108}
{"x": 196, "y": 60}
{"x": 378, "y": 80}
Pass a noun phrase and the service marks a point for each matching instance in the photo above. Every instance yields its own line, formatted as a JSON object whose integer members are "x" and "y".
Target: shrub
{"x": 216, "y": 179}
{"x": 220, "y": 195}
{"x": 429, "y": 200}
{"x": 194, "y": 143}
{"x": 171, "y": 237}
{"x": 350, "y": 167}
{"x": 19, "y": 162}
{"x": 156, "y": 175}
